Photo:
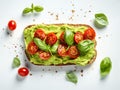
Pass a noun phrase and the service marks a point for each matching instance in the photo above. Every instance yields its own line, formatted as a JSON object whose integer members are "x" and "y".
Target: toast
{"x": 42, "y": 54}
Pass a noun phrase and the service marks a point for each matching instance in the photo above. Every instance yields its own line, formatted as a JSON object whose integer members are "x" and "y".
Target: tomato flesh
{"x": 62, "y": 50}
{"x": 32, "y": 48}
{"x": 89, "y": 34}
{"x": 73, "y": 52}
{"x": 44, "y": 55}
{"x": 39, "y": 33}
{"x": 12, "y": 25}
{"x": 78, "y": 37}
{"x": 62, "y": 38}
{"x": 51, "y": 39}
{"x": 23, "y": 71}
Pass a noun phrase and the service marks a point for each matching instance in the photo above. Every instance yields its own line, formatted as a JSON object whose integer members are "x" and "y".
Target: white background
{"x": 46, "y": 78}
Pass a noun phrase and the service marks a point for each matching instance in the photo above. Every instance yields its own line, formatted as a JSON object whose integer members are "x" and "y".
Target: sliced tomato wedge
{"x": 78, "y": 37}
{"x": 51, "y": 38}
{"x": 89, "y": 34}
{"x": 32, "y": 48}
{"x": 39, "y": 33}
{"x": 73, "y": 52}
{"x": 62, "y": 50}
{"x": 44, "y": 55}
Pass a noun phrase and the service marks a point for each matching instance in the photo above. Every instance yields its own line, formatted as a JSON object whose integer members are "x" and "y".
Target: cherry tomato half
{"x": 62, "y": 50}
{"x": 51, "y": 39}
{"x": 23, "y": 71}
{"x": 78, "y": 37}
{"x": 44, "y": 55}
{"x": 89, "y": 34}
{"x": 39, "y": 33}
{"x": 62, "y": 38}
{"x": 32, "y": 48}
{"x": 73, "y": 52}
{"x": 12, "y": 25}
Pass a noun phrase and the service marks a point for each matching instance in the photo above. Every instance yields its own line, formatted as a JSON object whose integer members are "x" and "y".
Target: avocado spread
{"x": 55, "y": 59}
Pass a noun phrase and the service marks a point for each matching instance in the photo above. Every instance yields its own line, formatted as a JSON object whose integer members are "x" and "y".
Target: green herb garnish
{"x": 70, "y": 76}
{"x": 101, "y": 20}
{"x": 32, "y": 9}
{"x": 69, "y": 37}
{"x": 16, "y": 62}
{"x": 85, "y": 45}
{"x": 105, "y": 66}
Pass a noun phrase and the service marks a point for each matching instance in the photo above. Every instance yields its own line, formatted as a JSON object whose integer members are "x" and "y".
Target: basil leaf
{"x": 105, "y": 66}
{"x": 69, "y": 37}
{"x": 101, "y": 20}
{"x": 41, "y": 44}
{"x": 38, "y": 8}
{"x": 70, "y": 76}
{"x": 32, "y": 7}
{"x": 85, "y": 45}
{"x": 54, "y": 48}
{"x": 16, "y": 62}
{"x": 27, "y": 10}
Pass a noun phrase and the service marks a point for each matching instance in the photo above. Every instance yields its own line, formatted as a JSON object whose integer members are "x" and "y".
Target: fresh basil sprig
{"x": 54, "y": 47}
{"x": 16, "y": 62}
{"x": 105, "y": 66}
{"x": 32, "y": 9}
{"x": 85, "y": 45}
{"x": 70, "y": 76}
{"x": 41, "y": 44}
{"x": 101, "y": 20}
{"x": 69, "y": 37}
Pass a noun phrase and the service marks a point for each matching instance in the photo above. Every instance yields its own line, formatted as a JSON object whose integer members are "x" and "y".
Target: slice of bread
{"x": 33, "y": 27}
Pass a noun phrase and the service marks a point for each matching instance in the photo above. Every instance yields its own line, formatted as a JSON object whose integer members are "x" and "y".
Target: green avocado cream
{"x": 55, "y": 59}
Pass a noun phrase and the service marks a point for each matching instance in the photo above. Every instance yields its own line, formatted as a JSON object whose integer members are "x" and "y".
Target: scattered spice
{"x": 56, "y": 71}
{"x": 57, "y": 17}
{"x": 73, "y": 11}
{"x": 81, "y": 72}
{"x": 43, "y": 70}
{"x": 106, "y": 35}
{"x": 33, "y": 20}
{"x": 51, "y": 14}
{"x": 99, "y": 37}
{"x": 30, "y": 74}
{"x": 89, "y": 11}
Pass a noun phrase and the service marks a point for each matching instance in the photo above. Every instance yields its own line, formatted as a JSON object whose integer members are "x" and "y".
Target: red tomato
{"x": 73, "y": 52}
{"x": 12, "y": 25}
{"x": 23, "y": 71}
{"x": 62, "y": 38}
{"x": 40, "y": 34}
{"x": 78, "y": 37}
{"x": 32, "y": 48}
{"x": 51, "y": 39}
{"x": 44, "y": 55}
{"x": 62, "y": 50}
{"x": 89, "y": 34}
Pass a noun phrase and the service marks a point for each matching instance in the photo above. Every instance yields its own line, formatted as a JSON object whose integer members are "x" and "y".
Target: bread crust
{"x": 75, "y": 25}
